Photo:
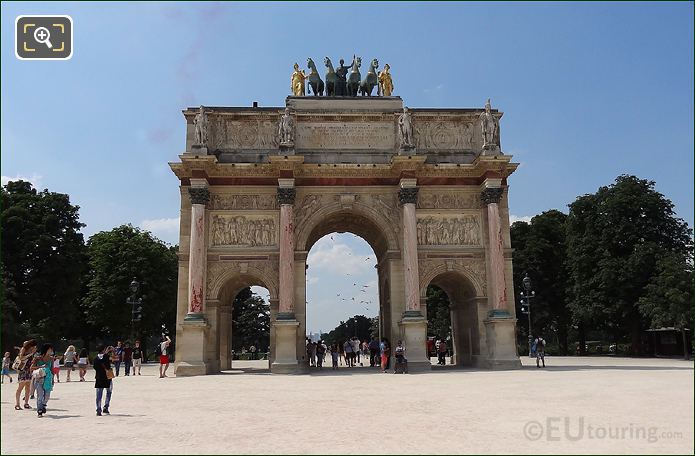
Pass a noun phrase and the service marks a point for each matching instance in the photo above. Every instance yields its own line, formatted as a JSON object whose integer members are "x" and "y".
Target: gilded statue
{"x": 297, "y": 81}
{"x": 385, "y": 82}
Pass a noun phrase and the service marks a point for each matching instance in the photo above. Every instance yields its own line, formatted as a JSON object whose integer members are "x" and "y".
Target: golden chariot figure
{"x": 297, "y": 81}
{"x": 385, "y": 81}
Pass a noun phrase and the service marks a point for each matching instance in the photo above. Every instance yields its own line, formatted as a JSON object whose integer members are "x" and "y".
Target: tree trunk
{"x": 685, "y": 344}
{"x": 582, "y": 341}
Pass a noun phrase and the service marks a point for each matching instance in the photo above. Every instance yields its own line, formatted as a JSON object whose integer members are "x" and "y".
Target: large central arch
{"x": 434, "y": 210}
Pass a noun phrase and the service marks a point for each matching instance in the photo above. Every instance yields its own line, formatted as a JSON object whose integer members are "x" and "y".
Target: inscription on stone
{"x": 345, "y": 135}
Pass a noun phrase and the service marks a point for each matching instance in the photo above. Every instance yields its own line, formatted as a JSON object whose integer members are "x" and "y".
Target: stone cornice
{"x": 207, "y": 166}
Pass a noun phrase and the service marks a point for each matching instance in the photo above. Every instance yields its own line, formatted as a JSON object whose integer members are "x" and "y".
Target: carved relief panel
{"x": 221, "y": 201}
{"x": 230, "y": 133}
{"x": 444, "y": 135}
{"x": 448, "y": 200}
{"x": 243, "y": 230}
{"x": 448, "y": 230}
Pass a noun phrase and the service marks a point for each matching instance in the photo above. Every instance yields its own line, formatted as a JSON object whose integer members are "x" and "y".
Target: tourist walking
{"x": 138, "y": 355}
{"x": 320, "y": 353}
{"x": 356, "y": 350}
{"x": 117, "y": 356}
{"x": 82, "y": 363}
{"x": 385, "y": 354}
{"x": 127, "y": 358}
{"x": 312, "y": 353}
{"x": 341, "y": 353}
{"x": 374, "y": 353}
{"x": 103, "y": 376}
{"x": 401, "y": 364}
{"x": 442, "y": 352}
{"x": 164, "y": 356}
{"x": 69, "y": 358}
{"x": 6, "y": 360}
{"x": 347, "y": 348}
{"x": 334, "y": 356}
{"x": 56, "y": 369}
{"x": 22, "y": 364}
{"x": 252, "y": 350}
{"x": 42, "y": 375}
{"x": 540, "y": 351}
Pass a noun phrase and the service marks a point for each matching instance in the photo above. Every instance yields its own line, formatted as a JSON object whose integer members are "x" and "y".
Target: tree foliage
{"x": 359, "y": 326}
{"x": 115, "y": 258}
{"x": 438, "y": 312}
{"x": 43, "y": 259}
{"x": 615, "y": 238}
{"x": 540, "y": 249}
{"x": 250, "y": 321}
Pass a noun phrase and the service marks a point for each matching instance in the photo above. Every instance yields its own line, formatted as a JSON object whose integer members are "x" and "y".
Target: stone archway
{"x": 434, "y": 210}
{"x": 467, "y": 306}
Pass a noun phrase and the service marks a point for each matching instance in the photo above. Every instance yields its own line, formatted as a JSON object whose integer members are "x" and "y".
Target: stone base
{"x": 501, "y": 342}
{"x": 285, "y": 347}
{"x": 185, "y": 369}
{"x": 191, "y": 347}
{"x": 199, "y": 149}
{"x": 491, "y": 149}
{"x": 286, "y": 148}
{"x": 407, "y": 150}
{"x": 414, "y": 334}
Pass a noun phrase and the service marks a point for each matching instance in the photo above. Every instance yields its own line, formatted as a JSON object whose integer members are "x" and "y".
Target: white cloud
{"x": 35, "y": 179}
{"x": 522, "y": 218}
{"x": 310, "y": 280}
{"x": 166, "y": 229}
{"x": 338, "y": 258}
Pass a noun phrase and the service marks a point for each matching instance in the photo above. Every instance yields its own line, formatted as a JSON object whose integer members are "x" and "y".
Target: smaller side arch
{"x": 235, "y": 277}
{"x": 474, "y": 282}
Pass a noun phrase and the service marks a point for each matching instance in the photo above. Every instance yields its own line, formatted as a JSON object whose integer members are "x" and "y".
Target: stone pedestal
{"x": 414, "y": 333}
{"x": 285, "y": 361}
{"x": 191, "y": 348}
{"x": 501, "y": 341}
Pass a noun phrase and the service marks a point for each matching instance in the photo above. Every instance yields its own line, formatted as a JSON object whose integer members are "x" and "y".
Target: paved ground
{"x": 576, "y": 405}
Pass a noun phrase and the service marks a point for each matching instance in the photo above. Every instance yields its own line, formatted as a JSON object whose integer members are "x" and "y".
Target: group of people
{"x": 38, "y": 369}
{"x": 352, "y": 352}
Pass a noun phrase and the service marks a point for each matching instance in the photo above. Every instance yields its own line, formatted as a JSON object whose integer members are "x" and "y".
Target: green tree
{"x": 359, "y": 326}
{"x": 43, "y": 258}
{"x": 540, "y": 249}
{"x": 669, "y": 295}
{"x": 115, "y": 258}
{"x": 251, "y": 321}
{"x": 438, "y": 312}
{"x": 614, "y": 239}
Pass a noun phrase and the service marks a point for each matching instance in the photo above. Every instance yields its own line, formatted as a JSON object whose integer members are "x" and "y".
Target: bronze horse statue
{"x": 353, "y": 82}
{"x": 315, "y": 81}
{"x": 331, "y": 78}
{"x": 371, "y": 80}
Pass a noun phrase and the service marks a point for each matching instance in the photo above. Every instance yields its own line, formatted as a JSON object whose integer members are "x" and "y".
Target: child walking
{"x": 6, "y": 368}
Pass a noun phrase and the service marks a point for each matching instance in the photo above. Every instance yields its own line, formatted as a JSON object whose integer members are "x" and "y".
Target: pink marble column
{"x": 408, "y": 197}
{"x": 196, "y": 258}
{"x": 286, "y": 197}
{"x": 491, "y": 197}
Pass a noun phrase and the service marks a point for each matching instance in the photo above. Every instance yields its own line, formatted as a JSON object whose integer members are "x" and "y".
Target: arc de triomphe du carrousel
{"x": 426, "y": 188}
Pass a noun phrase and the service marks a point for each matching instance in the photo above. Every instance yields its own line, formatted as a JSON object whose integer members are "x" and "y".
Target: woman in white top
{"x": 83, "y": 362}
{"x": 69, "y": 359}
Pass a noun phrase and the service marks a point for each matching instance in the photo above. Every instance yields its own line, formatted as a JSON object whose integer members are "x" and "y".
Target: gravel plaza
{"x": 576, "y": 405}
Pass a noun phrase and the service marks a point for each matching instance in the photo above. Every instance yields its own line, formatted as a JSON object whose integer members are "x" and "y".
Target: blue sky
{"x": 589, "y": 91}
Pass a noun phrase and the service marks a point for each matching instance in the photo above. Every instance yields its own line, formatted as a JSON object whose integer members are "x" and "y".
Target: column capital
{"x": 286, "y": 195}
{"x": 408, "y": 195}
{"x": 199, "y": 195}
{"x": 491, "y": 195}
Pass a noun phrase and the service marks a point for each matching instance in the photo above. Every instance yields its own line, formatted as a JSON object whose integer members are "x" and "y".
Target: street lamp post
{"x": 526, "y": 297}
{"x": 135, "y": 305}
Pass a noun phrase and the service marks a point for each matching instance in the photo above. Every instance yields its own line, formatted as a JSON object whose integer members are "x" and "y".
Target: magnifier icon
{"x": 42, "y": 35}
